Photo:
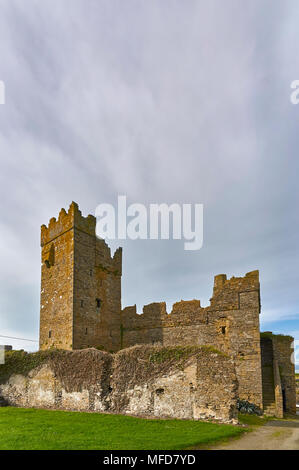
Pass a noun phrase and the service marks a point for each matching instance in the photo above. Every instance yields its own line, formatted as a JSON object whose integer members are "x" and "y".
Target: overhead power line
{"x": 21, "y": 339}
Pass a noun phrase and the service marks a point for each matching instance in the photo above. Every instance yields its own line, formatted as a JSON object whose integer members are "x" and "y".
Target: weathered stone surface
{"x": 80, "y": 285}
{"x": 40, "y": 387}
{"x": 15, "y": 390}
{"x": 193, "y": 383}
{"x": 230, "y": 324}
{"x": 278, "y": 374}
{"x": 190, "y": 382}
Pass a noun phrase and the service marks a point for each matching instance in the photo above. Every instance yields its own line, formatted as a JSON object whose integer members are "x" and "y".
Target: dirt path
{"x": 274, "y": 435}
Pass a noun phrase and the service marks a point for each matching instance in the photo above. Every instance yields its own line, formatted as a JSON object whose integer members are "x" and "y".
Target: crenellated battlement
{"x": 248, "y": 282}
{"x": 73, "y": 219}
{"x": 66, "y": 221}
{"x": 233, "y": 293}
{"x": 112, "y": 264}
{"x": 155, "y": 315}
{"x": 228, "y": 294}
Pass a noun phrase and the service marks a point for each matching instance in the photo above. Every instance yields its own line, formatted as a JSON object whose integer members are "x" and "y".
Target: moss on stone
{"x": 21, "y": 362}
{"x": 74, "y": 369}
{"x": 270, "y": 335}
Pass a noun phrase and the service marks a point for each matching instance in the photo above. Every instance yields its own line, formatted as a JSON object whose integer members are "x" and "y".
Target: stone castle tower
{"x": 80, "y": 285}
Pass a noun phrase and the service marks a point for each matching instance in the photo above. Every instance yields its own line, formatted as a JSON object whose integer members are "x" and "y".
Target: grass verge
{"x": 252, "y": 420}
{"x": 32, "y": 429}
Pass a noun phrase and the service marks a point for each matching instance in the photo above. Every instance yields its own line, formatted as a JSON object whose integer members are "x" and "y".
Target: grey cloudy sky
{"x": 163, "y": 101}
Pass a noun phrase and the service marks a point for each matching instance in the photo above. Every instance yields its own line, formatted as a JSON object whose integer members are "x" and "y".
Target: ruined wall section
{"x": 190, "y": 383}
{"x": 230, "y": 323}
{"x": 69, "y": 380}
{"x": 238, "y": 301}
{"x": 187, "y": 323}
{"x": 270, "y": 407}
{"x": 180, "y": 382}
{"x": 283, "y": 351}
{"x": 278, "y": 373}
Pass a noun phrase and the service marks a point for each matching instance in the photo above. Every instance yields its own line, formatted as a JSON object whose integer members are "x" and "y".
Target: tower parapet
{"x": 234, "y": 293}
{"x": 66, "y": 221}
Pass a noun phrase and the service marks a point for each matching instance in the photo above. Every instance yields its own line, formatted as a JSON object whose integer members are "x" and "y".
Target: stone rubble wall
{"x": 150, "y": 381}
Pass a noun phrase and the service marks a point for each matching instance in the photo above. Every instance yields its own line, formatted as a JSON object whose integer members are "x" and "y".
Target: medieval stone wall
{"x": 278, "y": 374}
{"x": 193, "y": 383}
{"x": 283, "y": 350}
{"x": 269, "y": 399}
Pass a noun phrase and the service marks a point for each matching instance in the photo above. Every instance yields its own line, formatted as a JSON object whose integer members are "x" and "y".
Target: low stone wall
{"x": 186, "y": 382}
{"x": 182, "y": 382}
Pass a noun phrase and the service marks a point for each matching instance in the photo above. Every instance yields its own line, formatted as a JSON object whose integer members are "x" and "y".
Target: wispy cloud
{"x": 164, "y": 102}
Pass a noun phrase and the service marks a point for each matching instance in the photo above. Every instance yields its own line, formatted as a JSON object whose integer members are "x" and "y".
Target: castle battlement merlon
{"x": 248, "y": 282}
{"x": 159, "y": 308}
{"x": 155, "y": 314}
{"x": 67, "y": 220}
{"x": 105, "y": 261}
{"x": 226, "y": 294}
{"x": 233, "y": 293}
{"x": 237, "y": 293}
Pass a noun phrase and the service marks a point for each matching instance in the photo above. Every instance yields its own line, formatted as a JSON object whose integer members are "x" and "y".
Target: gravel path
{"x": 274, "y": 435}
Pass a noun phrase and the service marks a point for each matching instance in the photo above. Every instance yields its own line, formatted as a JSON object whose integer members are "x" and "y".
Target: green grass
{"x": 45, "y": 429}
{"x": 252, "y": 420}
